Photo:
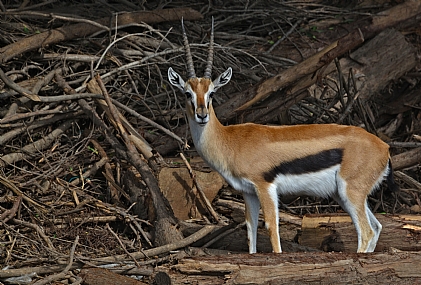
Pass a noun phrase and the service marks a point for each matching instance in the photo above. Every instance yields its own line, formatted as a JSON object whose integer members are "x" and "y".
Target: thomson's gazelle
{"x": 343, "y": 162}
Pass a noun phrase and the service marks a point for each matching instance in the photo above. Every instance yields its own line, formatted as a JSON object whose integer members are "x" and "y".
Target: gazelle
{"x": 343, "y": 162}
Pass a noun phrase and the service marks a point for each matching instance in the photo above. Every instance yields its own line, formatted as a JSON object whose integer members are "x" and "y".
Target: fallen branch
{"x": 336, "y": 232}
{"x": 306, "y": 67}
{"x": 166, "y": 230}
{"x": 82, "y": 30}
{"x": 36, "y": 146}
{"x": 62, "y": 274}
{"x": 202, "y": 195}
{"x": 10, "y": 213}
{"x": 158, "y": 250}
{"x": 406, "y": 159}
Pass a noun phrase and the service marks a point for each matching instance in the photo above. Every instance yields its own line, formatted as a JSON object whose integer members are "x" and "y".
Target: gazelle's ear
{"x": 175, "y": 79}
{"x": 223, "y": 79}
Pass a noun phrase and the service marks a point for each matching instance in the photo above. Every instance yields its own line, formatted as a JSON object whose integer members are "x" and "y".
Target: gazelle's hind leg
{"x": 376, "y": 226}
{"x": 367, "y": 226}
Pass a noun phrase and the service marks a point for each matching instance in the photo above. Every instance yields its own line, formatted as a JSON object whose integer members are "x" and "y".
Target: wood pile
{"x": 99, "y": 182}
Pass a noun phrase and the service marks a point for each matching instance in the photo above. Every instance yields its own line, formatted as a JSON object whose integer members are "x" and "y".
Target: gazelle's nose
{"x": 202, "y": 115}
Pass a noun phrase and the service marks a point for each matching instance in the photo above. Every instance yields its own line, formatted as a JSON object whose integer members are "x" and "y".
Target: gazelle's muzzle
{"x": 202, "y": 115}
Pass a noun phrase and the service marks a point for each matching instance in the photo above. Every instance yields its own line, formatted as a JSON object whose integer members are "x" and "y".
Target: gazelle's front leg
{"x": 269, "y": 199}
{"x": 252, "y": 219}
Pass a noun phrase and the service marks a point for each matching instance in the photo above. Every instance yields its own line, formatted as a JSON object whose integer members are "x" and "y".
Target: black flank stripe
{"x": 307, "y": 164}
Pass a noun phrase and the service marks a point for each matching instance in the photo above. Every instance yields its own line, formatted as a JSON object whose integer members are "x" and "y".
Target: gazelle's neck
{"x": 207, "y": 138}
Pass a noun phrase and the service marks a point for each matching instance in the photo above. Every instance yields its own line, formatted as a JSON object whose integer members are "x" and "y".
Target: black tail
{"x": 390, "y": 180}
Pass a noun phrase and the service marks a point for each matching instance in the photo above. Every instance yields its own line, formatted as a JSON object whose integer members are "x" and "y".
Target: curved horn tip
{"x": 190, "y": 67}
{"x": 209, "y": 61}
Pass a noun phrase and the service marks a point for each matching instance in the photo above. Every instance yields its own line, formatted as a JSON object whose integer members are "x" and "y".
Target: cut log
{"x": 337, "y": 232}
{"x": 301, "y": 268}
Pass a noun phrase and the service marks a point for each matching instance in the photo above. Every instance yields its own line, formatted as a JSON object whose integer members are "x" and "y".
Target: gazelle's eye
{"x": 188, "y": 94}
{"x": 211, "y": 94}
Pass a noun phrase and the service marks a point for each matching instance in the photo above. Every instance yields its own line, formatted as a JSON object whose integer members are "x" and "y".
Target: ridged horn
{"x": 208, "y": 70}
{"x": 190, "y": 66}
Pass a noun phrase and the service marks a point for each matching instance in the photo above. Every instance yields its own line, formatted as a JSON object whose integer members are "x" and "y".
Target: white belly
{"x": 323, "y": 183}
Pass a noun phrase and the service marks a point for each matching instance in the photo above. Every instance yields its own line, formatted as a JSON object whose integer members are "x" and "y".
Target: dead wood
{"x": 201, "y": 193}
{"x": 406, "y": 159}
{"x": 371, "y": 73}
{"x": 337, "y": 232}
{"x": 161, "y": 249}
{"x": 233, "y": 238}
{"x": 306, "y": 67}
{"x": 10, "y": 213}
{"x": 299, "y": 268}
{"x": 82, "y": 30}
{"x": 401, "y": 104}
{"x": 399, "y": 16}
{"x": 391, "y": 56}
{"x": 111, "y": 259}
{"x": 65, "y": 272}
{"x": 99, "y": 276}
{"x": 166, "y": 226}
{"x": 141, "y": 144}
{"x": 408, "y": 11}
{"x": 11, "y": 185}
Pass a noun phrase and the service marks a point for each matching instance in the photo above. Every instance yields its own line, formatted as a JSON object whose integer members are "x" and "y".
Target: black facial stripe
{"x": 307, "y": 164}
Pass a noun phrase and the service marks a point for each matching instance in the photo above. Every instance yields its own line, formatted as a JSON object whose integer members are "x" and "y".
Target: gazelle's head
{"x": 198, "y": 91}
